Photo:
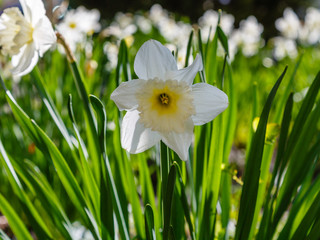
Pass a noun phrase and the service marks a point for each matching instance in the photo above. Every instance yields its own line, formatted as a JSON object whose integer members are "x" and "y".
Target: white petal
{"x": 25, "y": 60}
{"x": 209, "y": 102}
{"x": 33, "y": 10}
{"x": 179, "y": 142}
{"x": 153, "y": 60}
{"x": 187, "y": 74}
{"x": 43, "y": 35}
{"x": 124, "y": 96}
{"x": 135, "y": 138}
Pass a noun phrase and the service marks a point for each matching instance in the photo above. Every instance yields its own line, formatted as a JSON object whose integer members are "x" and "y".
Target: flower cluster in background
{"x": 78, "y": 25}
{"x": 295, "y": 32}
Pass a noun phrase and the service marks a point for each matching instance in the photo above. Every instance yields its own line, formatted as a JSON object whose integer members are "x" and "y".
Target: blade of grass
{"x": 167, "y": 205}
{"x": 149, "y": 223}
{"x": 16, "y": 224}
{"x": 252, "y": 170}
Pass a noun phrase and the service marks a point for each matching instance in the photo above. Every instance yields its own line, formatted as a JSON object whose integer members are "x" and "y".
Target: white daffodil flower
{"x": 163, "y": 104}
{"x": 25, "y": 37}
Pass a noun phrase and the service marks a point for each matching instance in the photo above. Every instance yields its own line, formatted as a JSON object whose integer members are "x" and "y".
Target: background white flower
{"x": 163, "y": 104}
{"x": 289, "y": 26}
{"x": 25, "y": 37}
{"x": 77, "y": 24}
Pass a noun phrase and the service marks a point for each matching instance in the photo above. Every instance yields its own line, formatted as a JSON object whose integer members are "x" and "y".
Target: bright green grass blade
{"x": 147, "y": 191}
{"x": 180, "y": 188}
{"x": 252, "y": 170}
{"x": 211, "y": 61}
{"x": 16, "y": 224}
{"x": 189, "y": 48}
{"x": 37, "y": 182}
{"x": 39, "y": 83}
{"x": 305, "y": 109}
{"x": 299, "y": 209}
{"x": 289, "y": 88}
{"x": 167, "y": 205}
{"x": 298, "y": 169}
{"x": 229, "y": 116}
{"x": 106, "y": 206}
{"x": 36, "y": 221}
{"x": 312, "y": 215}
{"x": 314, "y": 233}
{"x": 92, "y": 138}
{"x": 223, "y": 39}
{"x": 68, "y": 180}
{"x": 268, "y": 208}
{"x": 89, "y": 182}
{"x": 205, "y": 226}
{"x": 134, "y": 198}
{"x": 149, "y": 223}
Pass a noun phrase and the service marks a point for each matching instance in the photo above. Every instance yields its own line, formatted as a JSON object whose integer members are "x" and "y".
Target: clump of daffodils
{"x": 25, "y": 37}
{"x": 163, "y": 104}
{"x": 78, "y": 24}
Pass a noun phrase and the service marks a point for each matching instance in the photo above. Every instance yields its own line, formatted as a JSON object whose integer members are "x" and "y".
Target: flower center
{"x": 164, "y": 99}
{"x": 72, "y": 25}
{"x": 165, "y": 106}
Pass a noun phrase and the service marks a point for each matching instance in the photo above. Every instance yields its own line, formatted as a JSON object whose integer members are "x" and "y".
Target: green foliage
{"x": 78, "y": 172}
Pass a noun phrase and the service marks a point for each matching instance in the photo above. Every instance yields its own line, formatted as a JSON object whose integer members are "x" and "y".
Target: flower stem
{"x": 164, "y": 168}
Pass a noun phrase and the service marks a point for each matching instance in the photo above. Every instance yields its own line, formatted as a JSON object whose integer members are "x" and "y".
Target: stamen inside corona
{"x": 165, "y": 106}
{"x": 164, "y": 99}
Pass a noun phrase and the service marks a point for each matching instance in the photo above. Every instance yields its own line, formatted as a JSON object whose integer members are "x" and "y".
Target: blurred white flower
{"x": 77, "y": 24}
{"x": 289, "y": 25}
{"x": 79, "y": 232}
{"x": 122, "y": 27}
{"x": 143, "y": 23}
{"x": 157, "y": 14}
{"x": 112, "y": 51}
{"x": 163, "y": 104}
{"x": 25, "y": 37}
{"x": 210, "y": 20}
{"x": 310, "y": 32}
{"x": 247, "y": 38}
{"x": 250, "y": 30}
{"x": 284, "y": 47}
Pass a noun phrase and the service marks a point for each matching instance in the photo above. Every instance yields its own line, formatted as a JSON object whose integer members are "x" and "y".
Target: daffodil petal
{"x": 153, "y": 60}
{"x": 25, "y": 60}
{"x": 209, "y": 102}
{"x": 125, "y": 95}
{"x": 179, "y": 142}
{"x": 186, "y": 74}
{"x": 43, "y": 35}
{"x": 33, "y": 10}
{"x": 135, "y": 138}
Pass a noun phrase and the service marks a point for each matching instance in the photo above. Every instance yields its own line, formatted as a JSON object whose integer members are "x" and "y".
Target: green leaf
{"x": 149, "y": 222}
{"x": 189, "y": 47}
{"x": 15, "y": 222}
{"x": 167, "y": 205}
{"x": 252, "y": 170}
{"x": 183, "y": 198}
{"x": 223, "y": 39}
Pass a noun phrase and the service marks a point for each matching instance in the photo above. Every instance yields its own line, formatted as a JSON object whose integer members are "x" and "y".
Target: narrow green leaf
{"x": 223, "y": 39}
{"x": 149, "y": 222}
{"x": 15, "y": 222}
{"x": 168, "y": 201}
{"x": 189, "y": 47}
{"x": 38, "y": 81}
{"x": 183, "y": 198}
{"x": 252, "y": 170}
{"x": 268, "y": 209}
